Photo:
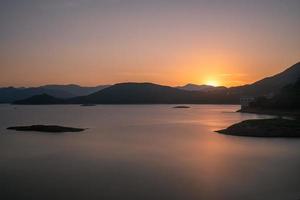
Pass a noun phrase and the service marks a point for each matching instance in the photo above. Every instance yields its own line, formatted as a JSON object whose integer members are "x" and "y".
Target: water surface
{"x": 142, "y": 152}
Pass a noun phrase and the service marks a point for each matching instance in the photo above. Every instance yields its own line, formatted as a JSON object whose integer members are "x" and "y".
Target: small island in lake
{"x": 277, "y": 127}
{"x": 46, "y": 128}
{"x": 181, "y": 107}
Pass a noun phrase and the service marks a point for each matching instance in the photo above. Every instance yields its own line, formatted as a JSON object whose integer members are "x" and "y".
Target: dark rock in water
{"x": 181, "y": 107}
{"x": 265, "y": 128}
{"x": 87, "y": 104}
{"x": 46, "y": 128}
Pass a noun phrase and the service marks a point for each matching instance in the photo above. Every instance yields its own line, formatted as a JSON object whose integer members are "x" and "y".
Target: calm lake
{"x": 141, "y": 152}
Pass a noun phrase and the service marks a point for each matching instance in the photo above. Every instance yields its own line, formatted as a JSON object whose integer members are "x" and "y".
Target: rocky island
{"x": 181, "y": 107}
{"x": 46, "y": 128}
{"x": 277, "y": 127}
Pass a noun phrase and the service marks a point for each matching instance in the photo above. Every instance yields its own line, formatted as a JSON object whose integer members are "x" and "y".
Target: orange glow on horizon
{"x": 212, "y": 82}
{"x": 170, "y": 43}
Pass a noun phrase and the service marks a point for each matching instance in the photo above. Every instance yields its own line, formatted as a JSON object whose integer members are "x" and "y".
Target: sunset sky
{"x": 170, "y": 42}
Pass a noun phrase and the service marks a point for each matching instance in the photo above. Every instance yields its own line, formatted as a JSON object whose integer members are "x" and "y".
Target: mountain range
{"x": 203, "y": 88}
{"x": 137, "y": 93}
{"x": 270, "y": 85}
{"x": 11, "y": 94}
{"x": 149, "y": 93}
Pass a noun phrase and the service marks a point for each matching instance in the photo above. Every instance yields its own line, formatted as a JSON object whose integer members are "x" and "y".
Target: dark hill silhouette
{"x": 149, "y": 93}
{"x": 288, "y": 98}
{"x": 138, "y": 93}
{"x": 266, "y": 86}
{"x": 11, "y": 94}
{"x": 76, "y": 90}
{"x": 270, "y": 85}
{"x": 42, "y": 99}
{"x": 141, "y": 93}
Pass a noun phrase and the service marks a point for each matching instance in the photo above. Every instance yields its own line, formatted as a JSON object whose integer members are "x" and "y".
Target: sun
{"x": 212, "y": 83}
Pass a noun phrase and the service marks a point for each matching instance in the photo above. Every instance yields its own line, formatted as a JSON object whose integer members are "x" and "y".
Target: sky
{"x": 169, "y": 42}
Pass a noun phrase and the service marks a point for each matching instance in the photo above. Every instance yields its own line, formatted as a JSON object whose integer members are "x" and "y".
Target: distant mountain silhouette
{"x": 149, "y": 93}
{"x": 42, "y": 99}
{"x": 204, "y": 88}
{"x": 266, "y": 86}
{"x": 76, "y": 90}
{"x": 137, "y": 93}
{"x": 269, "y": 85}
{"x": 143, "y": 93}
{"x": 11, "y": 94}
